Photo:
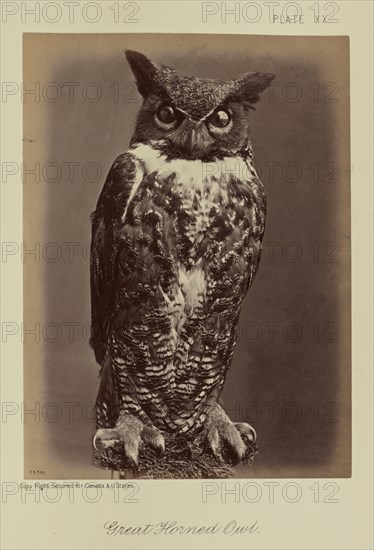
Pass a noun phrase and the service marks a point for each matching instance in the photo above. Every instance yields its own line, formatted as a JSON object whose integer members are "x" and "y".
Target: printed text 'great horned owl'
{"x": 176, "y": 243}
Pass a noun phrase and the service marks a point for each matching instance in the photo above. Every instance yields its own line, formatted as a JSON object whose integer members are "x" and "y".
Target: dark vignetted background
{"x": 291, "y": 371}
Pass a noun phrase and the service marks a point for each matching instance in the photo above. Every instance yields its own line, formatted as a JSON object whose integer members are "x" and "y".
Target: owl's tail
{"x": 107, "y": 402}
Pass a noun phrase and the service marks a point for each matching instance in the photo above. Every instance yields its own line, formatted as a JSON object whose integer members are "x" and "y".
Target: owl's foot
{"x": 227, "y": 437}
{"x": 130, "y": 432}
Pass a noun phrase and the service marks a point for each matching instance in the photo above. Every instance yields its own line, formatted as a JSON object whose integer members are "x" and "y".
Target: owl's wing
{"x": 111, "y": 205}
{"x": 132, "y": 344}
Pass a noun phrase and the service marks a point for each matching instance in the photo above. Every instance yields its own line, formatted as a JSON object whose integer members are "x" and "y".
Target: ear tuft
{"x": 144, "y": 71}
{"x": 251, "y": 85}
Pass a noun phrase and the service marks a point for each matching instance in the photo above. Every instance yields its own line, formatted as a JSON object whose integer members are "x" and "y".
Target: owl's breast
{"x": 187, "y": 242}
{"x": 210, "y": 204}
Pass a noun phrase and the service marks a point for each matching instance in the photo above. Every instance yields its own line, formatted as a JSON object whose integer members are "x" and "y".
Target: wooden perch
{"x": 183, "y": 459}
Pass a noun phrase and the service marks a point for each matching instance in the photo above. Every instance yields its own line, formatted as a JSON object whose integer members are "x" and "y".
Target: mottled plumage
{"x": 176, "y": 241}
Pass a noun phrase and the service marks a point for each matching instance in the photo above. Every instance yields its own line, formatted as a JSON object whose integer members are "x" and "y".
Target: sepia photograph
{"x": 187, "y": 292}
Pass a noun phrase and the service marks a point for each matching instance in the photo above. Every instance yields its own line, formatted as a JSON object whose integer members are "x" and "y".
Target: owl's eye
{"x": 166, "y": 114}
{"x": 220, "y": 118}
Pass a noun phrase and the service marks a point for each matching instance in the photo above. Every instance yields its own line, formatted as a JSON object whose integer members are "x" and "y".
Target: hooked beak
{"x": 192, "y": 141}
{"x": 195, "y": 143}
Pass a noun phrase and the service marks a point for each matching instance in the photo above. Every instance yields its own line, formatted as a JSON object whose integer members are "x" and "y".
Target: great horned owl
{"x": 176, "y": 242}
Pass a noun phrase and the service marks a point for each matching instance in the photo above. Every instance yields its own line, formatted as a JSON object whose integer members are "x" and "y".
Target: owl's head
{"x": 190, "y": 117}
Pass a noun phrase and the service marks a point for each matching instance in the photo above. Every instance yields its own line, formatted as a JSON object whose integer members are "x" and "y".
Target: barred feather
{"x": 173, "y": 255}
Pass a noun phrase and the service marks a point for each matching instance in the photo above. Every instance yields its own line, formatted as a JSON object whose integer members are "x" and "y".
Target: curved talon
{"x": 131, "y": 432}
{"x": 107, "y": 432}
{"x": 244, "y": 428}
{"x": 154, "y": 438}
{"x": 214, "y": 443}
{"x": 227, "y": 436}
{"x": 254, "y": 434}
